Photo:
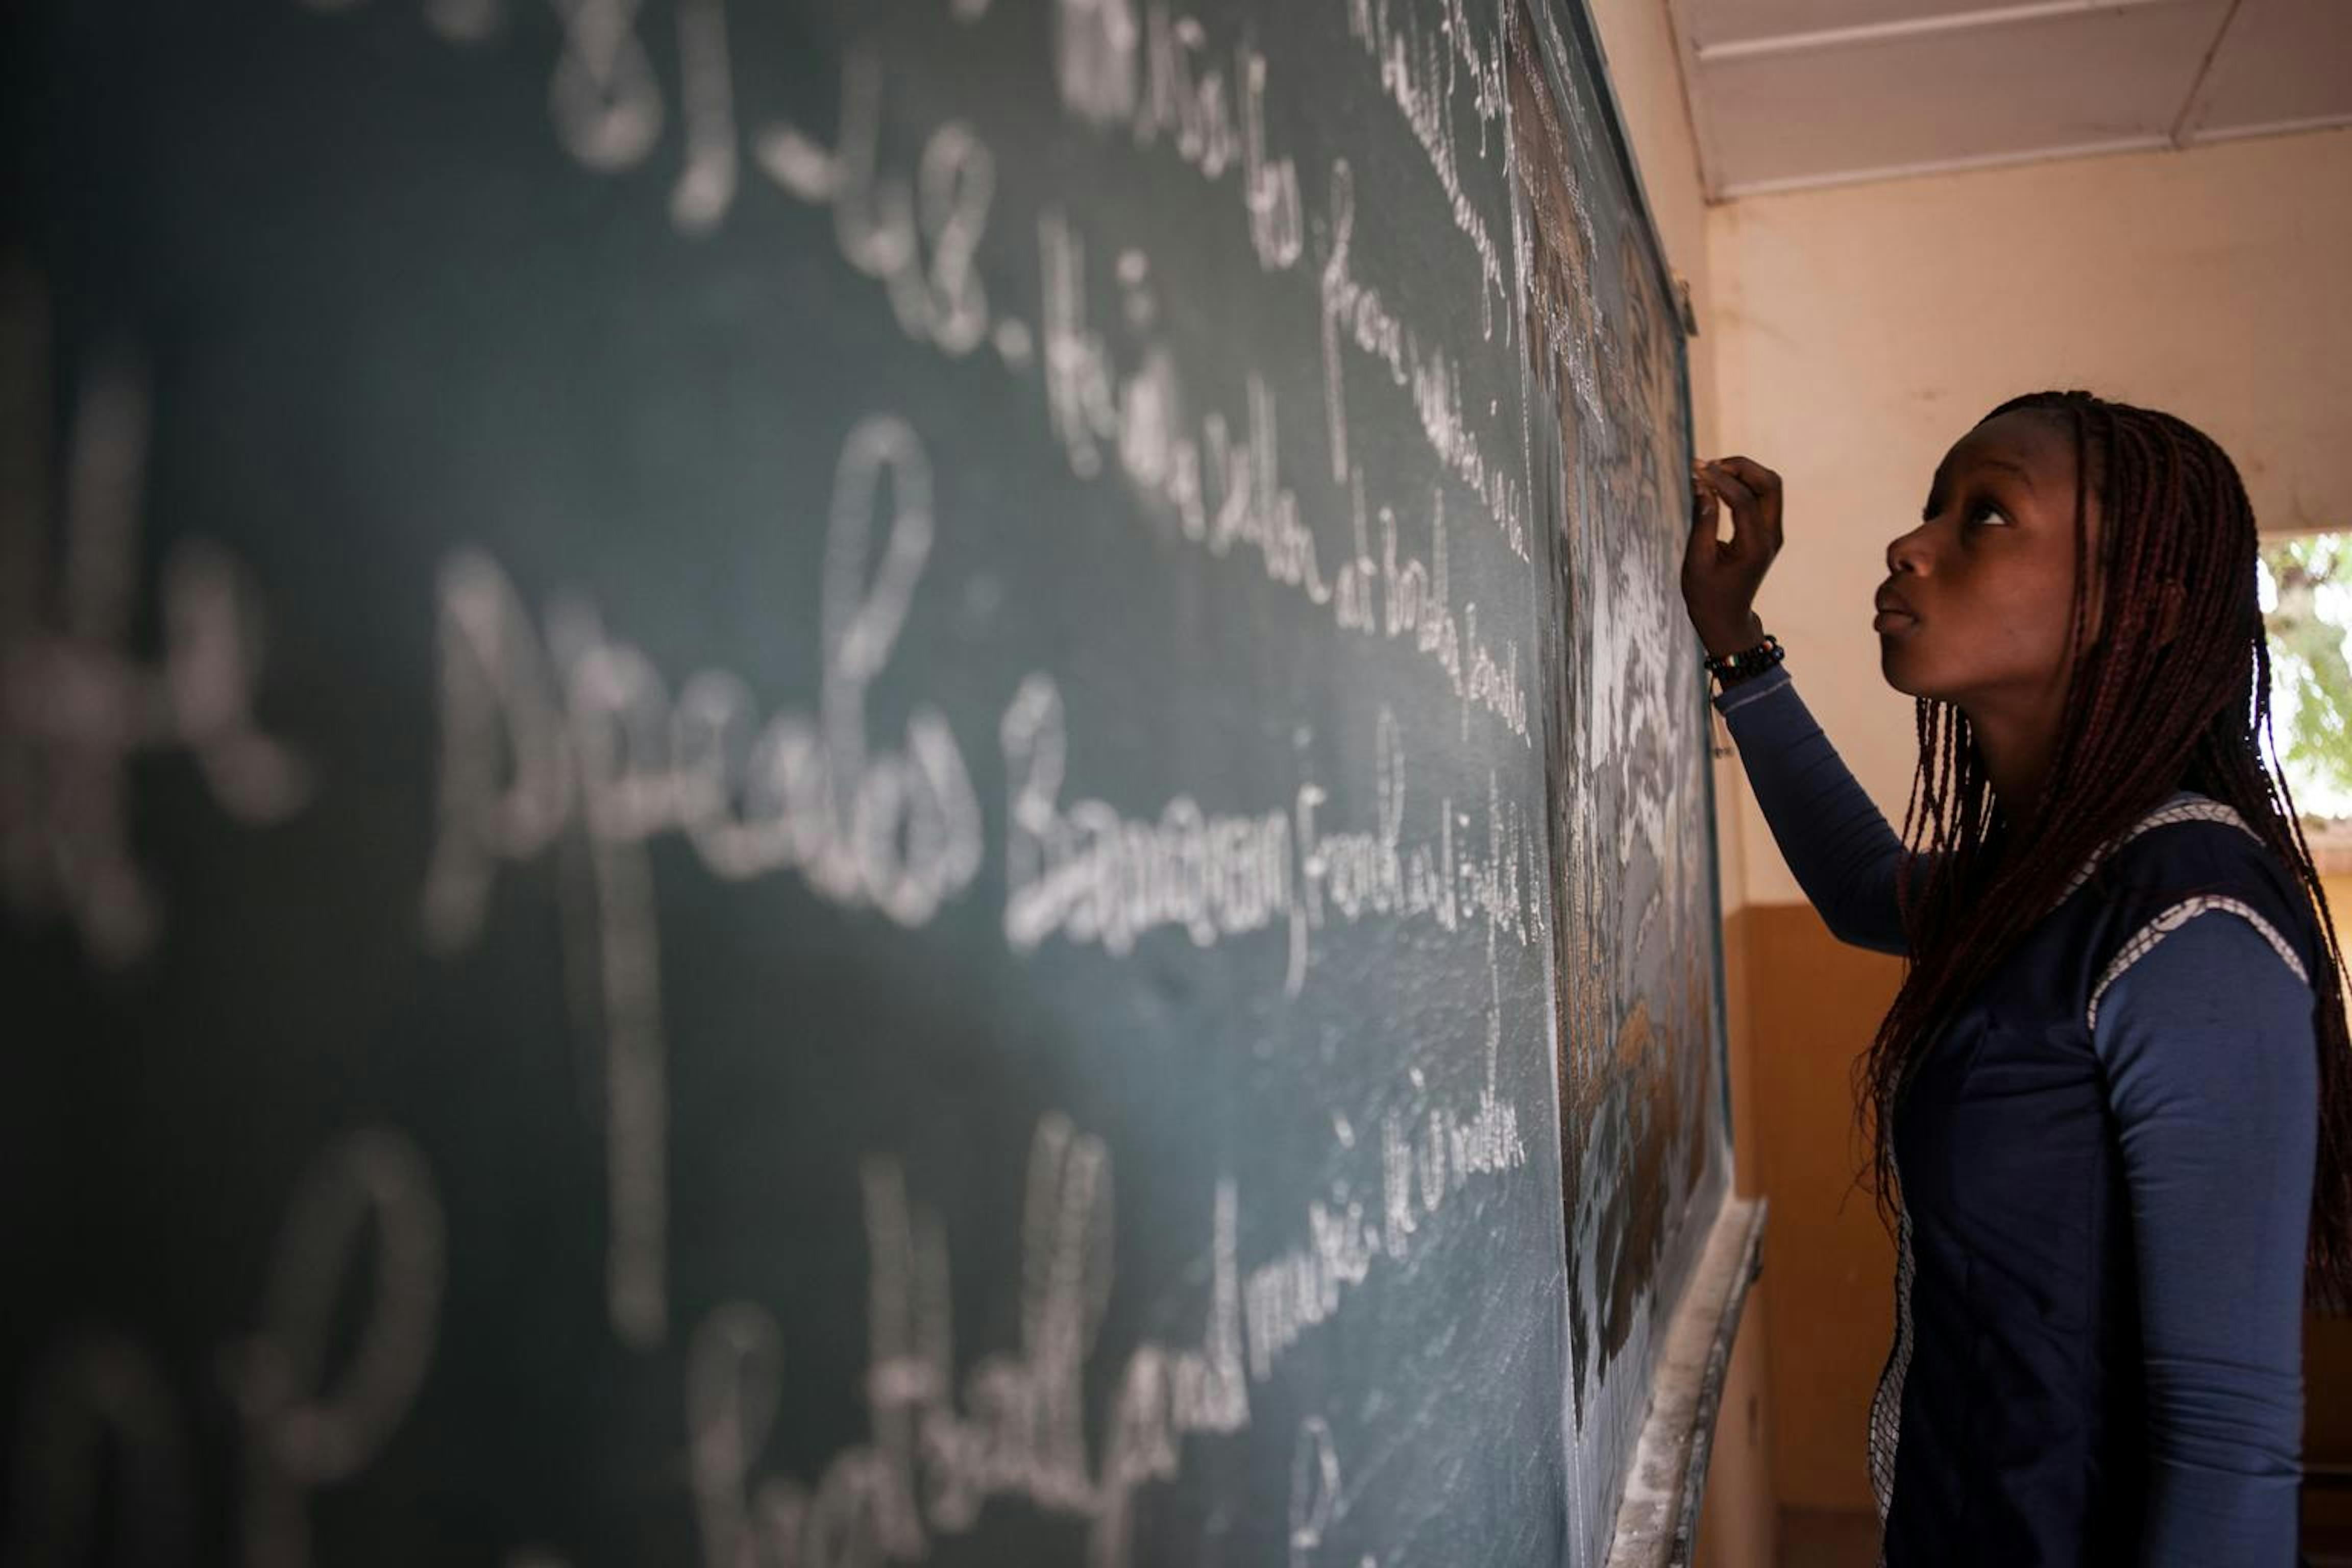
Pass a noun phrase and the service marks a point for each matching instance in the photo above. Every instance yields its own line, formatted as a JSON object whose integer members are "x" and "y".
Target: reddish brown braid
{"x": 2140, "y": 720}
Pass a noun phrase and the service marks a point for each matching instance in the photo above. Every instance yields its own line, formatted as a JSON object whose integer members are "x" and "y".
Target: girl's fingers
{"x": 1747, "y": 526}
{"x": 1764, "y": 485}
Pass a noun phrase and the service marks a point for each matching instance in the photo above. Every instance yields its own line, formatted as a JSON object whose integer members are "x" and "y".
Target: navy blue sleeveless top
{"x": 2011, "y": 1422}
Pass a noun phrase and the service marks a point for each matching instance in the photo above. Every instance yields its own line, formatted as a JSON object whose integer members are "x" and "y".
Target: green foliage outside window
{"x": 2307, "y": 598}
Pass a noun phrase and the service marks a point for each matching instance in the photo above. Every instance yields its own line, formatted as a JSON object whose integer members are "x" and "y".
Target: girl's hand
{"x": 1720, "y": 579}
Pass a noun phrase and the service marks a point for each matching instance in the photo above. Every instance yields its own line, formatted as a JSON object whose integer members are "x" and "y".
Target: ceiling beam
{"x": 2206, "y": 137}
{"x": 1914, "y": 27}
{"x": 2204, "y": 69}
{"x": 1776, "y": 186}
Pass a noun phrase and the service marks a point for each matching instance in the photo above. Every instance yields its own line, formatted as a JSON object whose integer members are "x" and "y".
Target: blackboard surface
{"x": 838, "y": 783}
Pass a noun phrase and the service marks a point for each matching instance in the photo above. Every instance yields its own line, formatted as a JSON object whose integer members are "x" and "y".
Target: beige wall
{"x": 1856, "y": 332}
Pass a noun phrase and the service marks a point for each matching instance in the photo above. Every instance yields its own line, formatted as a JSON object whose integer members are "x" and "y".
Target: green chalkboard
{"x": 890, "y": 781}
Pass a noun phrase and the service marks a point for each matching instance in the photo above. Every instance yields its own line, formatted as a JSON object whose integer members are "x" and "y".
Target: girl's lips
{"x": 1893, "y": 621}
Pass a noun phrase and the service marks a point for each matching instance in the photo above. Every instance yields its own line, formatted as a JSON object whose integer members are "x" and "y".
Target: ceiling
{"x": 1791, "y": 94}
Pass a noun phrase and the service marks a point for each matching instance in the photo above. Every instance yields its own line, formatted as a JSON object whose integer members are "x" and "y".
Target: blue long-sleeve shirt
{"x": 2207, "y": 1044}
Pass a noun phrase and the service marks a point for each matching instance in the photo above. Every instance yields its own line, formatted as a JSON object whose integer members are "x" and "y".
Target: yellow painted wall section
{"x": 1857, "y": 332}
{"x": 1829, "y": 1272}
{"x": 1829, "y": 1275}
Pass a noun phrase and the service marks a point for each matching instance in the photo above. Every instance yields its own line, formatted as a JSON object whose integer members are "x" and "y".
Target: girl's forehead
{"x": 2039, "y": 449}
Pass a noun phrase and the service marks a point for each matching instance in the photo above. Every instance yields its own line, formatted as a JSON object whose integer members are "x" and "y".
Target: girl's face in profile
{"x": 1987, "y": 577}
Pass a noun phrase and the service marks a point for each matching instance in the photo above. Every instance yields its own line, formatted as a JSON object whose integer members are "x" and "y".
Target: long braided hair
{"x": 2140, "y": 720}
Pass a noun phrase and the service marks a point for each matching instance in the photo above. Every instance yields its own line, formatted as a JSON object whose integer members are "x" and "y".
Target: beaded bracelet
{"x": 1733, "y": 668}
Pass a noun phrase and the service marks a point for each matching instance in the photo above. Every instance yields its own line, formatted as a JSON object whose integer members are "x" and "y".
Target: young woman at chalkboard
{"x": 2112, "y": 1102}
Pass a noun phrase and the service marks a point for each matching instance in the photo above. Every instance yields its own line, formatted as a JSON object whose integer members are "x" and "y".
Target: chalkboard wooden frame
{"x": 1671, "y": 1458}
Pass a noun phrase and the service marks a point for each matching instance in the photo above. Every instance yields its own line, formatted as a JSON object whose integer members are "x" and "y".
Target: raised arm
{"x": 1845, "y": 857}
{"x": 2213, "y": 1075}
{"x": 1830, "y": 831}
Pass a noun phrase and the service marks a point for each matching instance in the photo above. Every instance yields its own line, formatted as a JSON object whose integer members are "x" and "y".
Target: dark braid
{"x": 2139, "y": 721}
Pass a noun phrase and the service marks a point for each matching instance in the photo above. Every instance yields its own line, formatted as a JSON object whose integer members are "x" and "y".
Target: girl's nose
{"x": 1907, "y": 552}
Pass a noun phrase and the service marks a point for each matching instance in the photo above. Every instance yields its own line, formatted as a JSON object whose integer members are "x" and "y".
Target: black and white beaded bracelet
{"x": 1747, "y": 662}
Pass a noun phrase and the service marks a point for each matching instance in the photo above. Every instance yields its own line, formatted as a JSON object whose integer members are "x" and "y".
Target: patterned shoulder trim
{"x": 2199, "y": 809}
{"x": 2171, "y": 921}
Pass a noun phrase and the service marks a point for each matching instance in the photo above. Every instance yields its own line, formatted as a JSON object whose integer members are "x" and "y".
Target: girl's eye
{"x": 1983, "y": 509}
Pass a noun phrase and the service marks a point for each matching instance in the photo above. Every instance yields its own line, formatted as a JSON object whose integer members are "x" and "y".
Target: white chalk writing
{"x": 1421, "y": 74}
{"x": 302, "y": 1434}
{"x": 1130, "y": 413}
{"x": 916, "y": 239}
{"x": 1094, "y": 58}
{"x": 77, "y": 709}
{"x": 1223, "y": 489}
{"x": 606, "y": 105}
{"x": 1017, "y": 1430}
{"x": 578, "y": 728}
{"x": 1087, "y": 873}
{"x": 893, "y": 831}
{"x": 1427, "y": 1154}
{"x": 1424, "y": 1161}
{"x": 1017, "y": 1425}
{"x": 103, "y": 1452}
{"x": 706, "y": 186}
{"x": 1153, "y": 78}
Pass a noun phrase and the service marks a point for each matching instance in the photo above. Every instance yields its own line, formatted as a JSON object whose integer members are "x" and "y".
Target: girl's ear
{"x": 2167, "y": 615}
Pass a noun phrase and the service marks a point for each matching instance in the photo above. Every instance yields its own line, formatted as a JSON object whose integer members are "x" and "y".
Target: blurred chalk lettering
{"x": 577, "y": 731}
{"x": 78, "y": 709}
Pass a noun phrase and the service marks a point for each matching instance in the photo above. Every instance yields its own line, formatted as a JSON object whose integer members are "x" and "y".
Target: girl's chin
{"x": 1897, "y": 668}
